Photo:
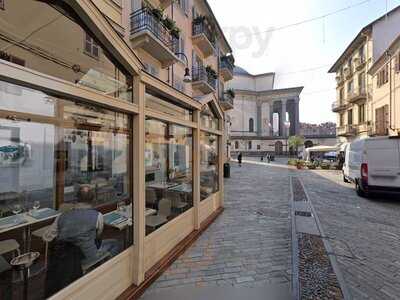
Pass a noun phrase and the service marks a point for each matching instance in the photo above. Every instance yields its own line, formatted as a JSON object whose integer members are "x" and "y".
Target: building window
{"x": 2, "y": 4}
{"x": 258, "y": 147}
{"x": 382, "y": 120}
{"x": 184, "y": 5}
{"x": 91, "y": 47}
{"x": 83, "y": 155}
{"x": 151, "y": 69}
{"x": 361, "y": 82}
{"x": 209, "y": 162}
{"x": 350, "y": 117}
{"x": 250, "y": 145}
{"x": 341, "y": 95}
{"x": 383, "y": 76}
{"x": 341, "y": 119}
{"x": 61, "y": 50}
{"x": 350, "y": 87}
{"x": 251, "y": 125}
{"x": 168, "y": 161}
{"x": 236, "y": 145}
{"x": 361, "y": 113}
{"x": 349, "y": 64}
{"x": 397, "y": 62}
{"x": 361, "y": 54}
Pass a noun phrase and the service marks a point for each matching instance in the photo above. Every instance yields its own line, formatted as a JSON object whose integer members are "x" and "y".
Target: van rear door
{"x": 383, "y": 159}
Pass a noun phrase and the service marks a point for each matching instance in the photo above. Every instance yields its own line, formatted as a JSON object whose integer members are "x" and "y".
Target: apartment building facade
{"x": 385, "y": 106}
{"x": 111, "y": 142}
{"x": 355, "y": 87}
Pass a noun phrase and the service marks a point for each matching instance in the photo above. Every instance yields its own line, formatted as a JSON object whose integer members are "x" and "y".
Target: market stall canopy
{"x": 321, "y": 149}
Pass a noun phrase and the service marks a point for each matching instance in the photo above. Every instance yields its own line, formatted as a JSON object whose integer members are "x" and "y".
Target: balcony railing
{"x": 338, "y": 106}
{"x": 347, "y": 130}
{"x": 201, "y": 75}
{"x": 359, "y": 94}
{"x": 226, "y": 63}
{"x": 200, "y": 27}
{"x": 144, "y": 19}
{"x": 227, "y": 101}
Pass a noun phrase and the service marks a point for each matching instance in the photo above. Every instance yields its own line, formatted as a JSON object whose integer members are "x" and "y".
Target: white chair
{"x": 164, "y": 211}
{"x": 7, "y": 246}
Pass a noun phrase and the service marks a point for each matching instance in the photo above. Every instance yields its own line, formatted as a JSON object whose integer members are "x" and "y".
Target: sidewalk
{"x": 247, "y": 246}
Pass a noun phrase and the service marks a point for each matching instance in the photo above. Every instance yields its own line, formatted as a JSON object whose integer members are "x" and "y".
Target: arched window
{"x": 251, "y": 125}
{"x": 236, "y": 145}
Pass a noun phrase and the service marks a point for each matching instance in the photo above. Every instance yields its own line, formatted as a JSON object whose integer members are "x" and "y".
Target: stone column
{"x": 297, "y": 115}
{"x": 271, "y": 118}
{"x": 282, "y": 119}
{"x": 259, "y": 118}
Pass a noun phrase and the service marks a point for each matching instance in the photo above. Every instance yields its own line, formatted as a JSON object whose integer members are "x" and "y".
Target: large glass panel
{"x": 168, "y": 108}
{"x": 209, "y": 118}
{"x": 65, "y": 189}
{"x": 168, "y": 160}
{"x": 209, "y": 169}
{"x": 55, "y": 42}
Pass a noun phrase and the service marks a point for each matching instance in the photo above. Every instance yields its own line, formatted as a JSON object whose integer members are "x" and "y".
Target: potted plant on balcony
{"x": 169, "y": 23}
{"x": 199, "y": 19}
{"x": 230, "y": 93}
{"x": 211, "y": 72}
{"x": 175, "y": 31}
{"x": 158, "y": 13}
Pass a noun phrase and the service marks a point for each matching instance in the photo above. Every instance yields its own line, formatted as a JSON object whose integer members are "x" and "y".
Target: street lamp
{"x": 186, "y": 78}
{"x": 287, "y": 126}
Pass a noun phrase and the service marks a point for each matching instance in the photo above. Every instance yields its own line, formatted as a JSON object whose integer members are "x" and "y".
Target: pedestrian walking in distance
{"x": 240, "y": 159}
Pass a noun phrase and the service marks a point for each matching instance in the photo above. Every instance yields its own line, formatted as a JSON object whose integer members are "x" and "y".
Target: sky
{"x": 300, "y": 55}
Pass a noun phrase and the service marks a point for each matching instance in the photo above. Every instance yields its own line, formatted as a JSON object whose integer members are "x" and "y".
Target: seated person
{"x": 82, "y": 226}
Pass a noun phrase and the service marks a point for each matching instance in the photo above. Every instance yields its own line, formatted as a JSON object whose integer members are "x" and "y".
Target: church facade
{"x": 263, "y": 117}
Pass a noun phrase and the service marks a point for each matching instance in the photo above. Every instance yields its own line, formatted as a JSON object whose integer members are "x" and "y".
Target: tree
{"x": 295, "y": 141}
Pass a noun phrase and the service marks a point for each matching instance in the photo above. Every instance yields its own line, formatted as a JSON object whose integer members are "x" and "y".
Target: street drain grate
{"x": 303, "y": 213}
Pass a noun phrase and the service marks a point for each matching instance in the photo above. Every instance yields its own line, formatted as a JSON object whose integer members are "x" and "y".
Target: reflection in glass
{"x": 65, "y": 188}
{"x": 209, "y": 169}
{"x": 168, "y": 160}
{"x": 208, "y": 118}
{"x": 168, "y": 108}
{"x": 55, "y": 42}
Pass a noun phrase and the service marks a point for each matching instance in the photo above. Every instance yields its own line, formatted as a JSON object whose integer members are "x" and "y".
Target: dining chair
{"x": 39, "y": 233}
{"x": 176, "y": 200}
{"x": 164, "y": 211}
{"x": 151, "y": 198}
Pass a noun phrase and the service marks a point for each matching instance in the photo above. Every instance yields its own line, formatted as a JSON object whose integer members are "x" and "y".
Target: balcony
{"x": 226, "y": 101}
{"x": 359, "y": 63}
{"x": 357, "y": 96}
{"x": 346, "y": 130}
{"x": 202, "y": 36}
{"x": 338, "y": 106}
{"x": 347, "y": 72}
{"x": 203, "y": 80}
{"x": 150, "y": 34}
{"x": 339, "y": 80}
{"x": 226, "y": 67}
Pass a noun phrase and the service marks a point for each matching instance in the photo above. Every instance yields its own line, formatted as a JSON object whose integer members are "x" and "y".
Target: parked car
{"x": 373, "y": 165}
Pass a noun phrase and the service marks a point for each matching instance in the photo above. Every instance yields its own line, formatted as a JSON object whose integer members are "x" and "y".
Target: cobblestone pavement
{"x": 364, "y": 234}
{"x": 249, "y": 244}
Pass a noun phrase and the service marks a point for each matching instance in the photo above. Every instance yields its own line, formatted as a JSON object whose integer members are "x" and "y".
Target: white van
{"x": 373, "y": 164}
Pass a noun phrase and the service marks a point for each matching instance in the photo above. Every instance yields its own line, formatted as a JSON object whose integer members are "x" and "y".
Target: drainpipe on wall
{"x": 388, "y": 54}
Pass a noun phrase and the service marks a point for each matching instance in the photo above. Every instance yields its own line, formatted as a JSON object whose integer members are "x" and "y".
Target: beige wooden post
{"x": 196, "y": 170}
{"x": 138, "y": 166}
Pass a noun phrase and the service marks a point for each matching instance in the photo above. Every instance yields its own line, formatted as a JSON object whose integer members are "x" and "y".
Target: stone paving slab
{"x": 364, "y": 234}
{"x": 306, "y": 225}
{"x": 249, "y": 245}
